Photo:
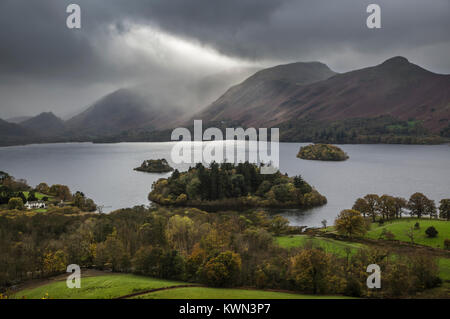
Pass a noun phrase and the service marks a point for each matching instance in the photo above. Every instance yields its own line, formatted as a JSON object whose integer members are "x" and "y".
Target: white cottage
{"x": 36, "y": 205}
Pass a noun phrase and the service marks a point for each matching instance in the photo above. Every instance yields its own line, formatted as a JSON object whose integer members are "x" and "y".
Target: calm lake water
{"x": 105, "y": 173}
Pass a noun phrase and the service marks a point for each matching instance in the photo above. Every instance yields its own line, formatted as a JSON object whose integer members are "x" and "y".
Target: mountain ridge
{"x": 45, "y": 124}
{"x": 307, "y": 100}
{"x": 14, "y": 134}
{"x": 395, "y": 87}
{"x": 270, "y": 83}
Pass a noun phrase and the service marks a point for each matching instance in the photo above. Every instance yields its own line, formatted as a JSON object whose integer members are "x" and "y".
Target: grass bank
{"x": 99, "y": 287}
{"x": 336, "y": 247}
{"x": 225, "y": 293}
{"x": 399, "y": 227}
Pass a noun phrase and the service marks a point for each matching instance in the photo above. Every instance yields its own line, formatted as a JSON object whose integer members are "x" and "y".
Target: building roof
{"x": 35, "y": 202}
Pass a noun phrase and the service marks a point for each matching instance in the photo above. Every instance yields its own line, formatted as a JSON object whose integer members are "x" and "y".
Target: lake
{"x": 105, "y": 173}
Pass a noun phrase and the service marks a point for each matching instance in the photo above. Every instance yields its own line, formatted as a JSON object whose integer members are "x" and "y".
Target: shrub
{"x": 15, "y": 203}
{"x": 425, "y": 271}
{"x": 431, "y": 232}
{"x": 386, "y": 234}
{"x": 447, "y": 244}
{"x": 353, "y": 288}
{"x": 397, "y": 280}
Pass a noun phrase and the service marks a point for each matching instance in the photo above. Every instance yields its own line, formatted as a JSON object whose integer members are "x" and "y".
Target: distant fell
{"x": 294, "y": 92}
{"x": 45, "y": 124}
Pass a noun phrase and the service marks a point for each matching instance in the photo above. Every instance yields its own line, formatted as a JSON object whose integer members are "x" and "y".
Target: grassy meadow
{"x": 38, "y": 195}
{"x": 117, "y": 285}
{"x": 336, "y": 247}
{"x": 99, "y": 287}
{"x": 399, "y": 227}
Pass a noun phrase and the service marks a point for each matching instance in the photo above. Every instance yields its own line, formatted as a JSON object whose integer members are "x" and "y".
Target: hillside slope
{"x": 258, "y": 96}
{"x": 18, "y": 119}
{"x": 395, "y": 88}
{"x": 45, "y": 124}
{"x": 119, "y": 111}
{"x": 13, "y": 134}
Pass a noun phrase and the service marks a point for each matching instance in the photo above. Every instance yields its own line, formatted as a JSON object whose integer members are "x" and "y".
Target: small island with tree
{"x": 154, "y": 166}
{"x": 226, "y": 186}
{"x": 322, "y": 152}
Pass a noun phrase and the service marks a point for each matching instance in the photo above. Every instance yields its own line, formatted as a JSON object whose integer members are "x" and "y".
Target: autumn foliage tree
{"x": 387, "y": 207}
{"x": 180, "y": 233}
{"x": 194, "y": 262}
{"x": 362, "y": 206}
{"x": 313, "y": 271}
{"x": 112, "y": 254}
{"x": 54, "y": 262}
{"x": 444, "y": 209}
{"x": 350, "y": 223}
{"x": 420, "y": 205}
{"x": 431, "y": 209}
{"x": 372, "y": 205}
{"x": 83, "y": 203}
{"x": 61, "y": 192}
{"x": 400, "y": 204}
{"x": 43, "y": 188}
{"x": 278, "y": 225}
{"x": 222, "y": 270}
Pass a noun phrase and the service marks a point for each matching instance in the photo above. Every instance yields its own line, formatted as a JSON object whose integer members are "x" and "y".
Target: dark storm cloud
{"x": 44, "y": 65}
{"x": 289, "y": 29}
{"x": 32, "y": 42}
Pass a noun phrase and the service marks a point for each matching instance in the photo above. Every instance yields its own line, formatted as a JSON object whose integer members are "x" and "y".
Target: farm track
{"x": 144, "y": 292}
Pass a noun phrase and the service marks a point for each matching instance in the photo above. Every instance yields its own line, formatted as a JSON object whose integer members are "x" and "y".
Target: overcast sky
{"x": 44, "y": 66}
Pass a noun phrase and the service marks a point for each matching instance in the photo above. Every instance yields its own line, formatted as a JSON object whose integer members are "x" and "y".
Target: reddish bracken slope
{"x": 395, "y": 87}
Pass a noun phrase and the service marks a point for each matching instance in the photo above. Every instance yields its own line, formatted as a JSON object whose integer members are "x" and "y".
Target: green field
{"x": 224, "y": 293}
{"x": 38, "y": 195}
{"x": 117, "y": 285}
{"x": 99, "y": 287}
{"x": 403, "y": 126}
{"x": 329, "y": 245}
{"x": 399, "y": 227}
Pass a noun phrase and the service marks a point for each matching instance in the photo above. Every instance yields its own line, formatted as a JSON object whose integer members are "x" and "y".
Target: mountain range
{"x": 396, "y": 88}
{"x": 306, "y": 100}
